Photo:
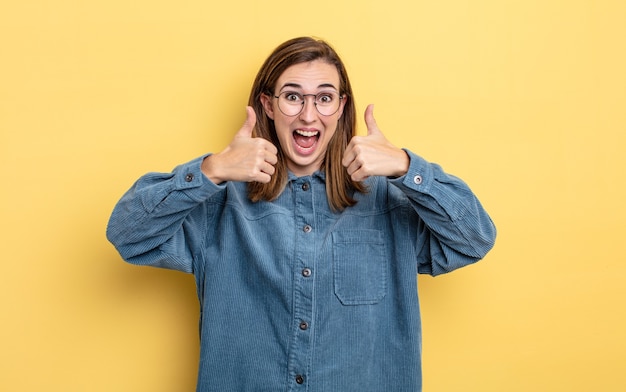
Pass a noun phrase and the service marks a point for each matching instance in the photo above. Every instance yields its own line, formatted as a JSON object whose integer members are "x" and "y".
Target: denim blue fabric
{"x": 294, "y": 296}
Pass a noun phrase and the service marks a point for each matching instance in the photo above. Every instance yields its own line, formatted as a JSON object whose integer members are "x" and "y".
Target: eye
{"x": 292, "y": 97}
{"x": 325, "y": 98}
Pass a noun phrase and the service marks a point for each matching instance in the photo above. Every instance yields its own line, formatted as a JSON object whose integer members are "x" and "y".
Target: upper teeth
{"x": 306, "y": 133}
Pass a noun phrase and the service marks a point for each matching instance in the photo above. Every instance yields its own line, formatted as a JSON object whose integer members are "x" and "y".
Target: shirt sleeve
{"x": 454, "y": 229}
{"x": 148, "y": 226}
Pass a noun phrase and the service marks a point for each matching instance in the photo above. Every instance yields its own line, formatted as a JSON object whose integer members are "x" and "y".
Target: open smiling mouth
{"x": 305, "y": 139}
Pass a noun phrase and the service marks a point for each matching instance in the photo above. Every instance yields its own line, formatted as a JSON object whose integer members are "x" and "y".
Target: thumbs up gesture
{"x": 246, "y": 158}
{"x": 373, "y": 155}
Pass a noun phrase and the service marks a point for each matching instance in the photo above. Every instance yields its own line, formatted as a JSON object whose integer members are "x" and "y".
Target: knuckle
{"x": 359, "y": 160}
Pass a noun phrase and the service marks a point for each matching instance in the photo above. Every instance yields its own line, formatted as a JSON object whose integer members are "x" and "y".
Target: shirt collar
{"x": 321, "y": 175}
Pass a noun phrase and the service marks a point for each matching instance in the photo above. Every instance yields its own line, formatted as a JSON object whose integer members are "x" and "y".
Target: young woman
{"x": 305, "y": 239}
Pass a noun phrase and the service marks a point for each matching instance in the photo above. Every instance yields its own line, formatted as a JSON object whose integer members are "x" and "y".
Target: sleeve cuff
{"x": 189, "y": 176}
{"x": 418, "y": 177}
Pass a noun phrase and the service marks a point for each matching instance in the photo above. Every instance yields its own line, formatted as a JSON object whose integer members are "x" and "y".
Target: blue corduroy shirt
{"x": 295, "y": 296}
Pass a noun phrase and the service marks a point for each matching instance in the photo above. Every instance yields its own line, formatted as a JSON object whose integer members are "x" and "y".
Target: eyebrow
{"x": 296, "y": 85}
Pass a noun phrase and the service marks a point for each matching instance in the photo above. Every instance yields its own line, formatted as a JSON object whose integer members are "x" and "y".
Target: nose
{"x": 309, "y": 111}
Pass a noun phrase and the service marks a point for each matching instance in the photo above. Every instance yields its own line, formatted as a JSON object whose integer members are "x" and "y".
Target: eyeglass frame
{"x": 341, "y": 98}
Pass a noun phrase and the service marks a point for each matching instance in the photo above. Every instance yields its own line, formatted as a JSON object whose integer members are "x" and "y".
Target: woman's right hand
{"x": 245, "y": 159}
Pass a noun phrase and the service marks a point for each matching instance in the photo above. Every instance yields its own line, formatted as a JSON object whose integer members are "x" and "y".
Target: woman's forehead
{"x": 313, "y": 75}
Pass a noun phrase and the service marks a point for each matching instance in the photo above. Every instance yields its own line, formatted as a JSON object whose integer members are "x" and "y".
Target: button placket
{"x": 305, "y": 250}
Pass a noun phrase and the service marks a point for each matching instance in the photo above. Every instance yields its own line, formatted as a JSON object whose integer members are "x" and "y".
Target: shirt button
{"x": 306, "y": 272}
{"x": 189, "y": 177}
{"x": 417, "y": 179}
{"x": 305, "y": 186}
{"x": 299, "y": 379}
{"x": 307, "y": 228}
{"x": 304, "y": 325}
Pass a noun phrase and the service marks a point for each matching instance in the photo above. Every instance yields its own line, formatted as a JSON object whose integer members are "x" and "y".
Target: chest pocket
{"x": 359, "y": 266}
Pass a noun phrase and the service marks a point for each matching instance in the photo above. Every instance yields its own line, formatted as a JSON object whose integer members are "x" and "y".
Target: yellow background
{"x": 525, "y": 100}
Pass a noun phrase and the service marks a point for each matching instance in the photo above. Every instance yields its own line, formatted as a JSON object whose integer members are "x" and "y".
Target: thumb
{"x": 248, "y": 125}
{"x": 370, "y": 121}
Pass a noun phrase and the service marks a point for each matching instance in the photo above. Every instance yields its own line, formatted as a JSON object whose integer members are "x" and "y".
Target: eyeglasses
{"x": 291, "y": 103}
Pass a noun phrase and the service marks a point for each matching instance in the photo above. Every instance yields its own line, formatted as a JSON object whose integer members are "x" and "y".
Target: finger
{"x": 370, "y": 121}
{"x": 248, "y": 125}
{"x": 271, "y": 148}
{"x": 350, "y": 153}
{"x": 263, "y": 178}
{"x": 268, "y": 168}
{"x": 348, "y": 156}
{"x": 248, "y": 128}
{"x": 270, "y": 157}
{"x": 354, "y": 166}
{"x": 358, "y": 174}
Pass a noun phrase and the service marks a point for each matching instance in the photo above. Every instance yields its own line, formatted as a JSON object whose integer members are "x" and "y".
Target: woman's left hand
{"x": 374, "y": 155}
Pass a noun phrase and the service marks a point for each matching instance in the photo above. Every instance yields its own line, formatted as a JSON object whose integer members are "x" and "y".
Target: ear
{"x": 266, "y": 101}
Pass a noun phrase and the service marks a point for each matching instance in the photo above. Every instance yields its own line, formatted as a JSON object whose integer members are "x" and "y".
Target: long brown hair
{"x": 339, "y": 185}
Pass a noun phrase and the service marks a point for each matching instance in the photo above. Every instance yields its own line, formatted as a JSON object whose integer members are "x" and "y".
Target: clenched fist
{"x": 374, "y": 155}
{"x": 245, "y": 159}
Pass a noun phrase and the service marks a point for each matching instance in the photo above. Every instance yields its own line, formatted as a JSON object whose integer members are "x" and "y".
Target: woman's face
{"x": 304, "y": 138}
